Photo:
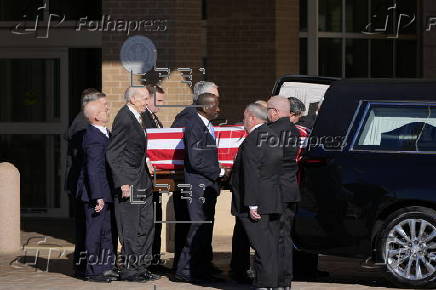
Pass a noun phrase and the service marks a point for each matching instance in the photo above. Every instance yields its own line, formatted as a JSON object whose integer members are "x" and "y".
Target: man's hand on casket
{"x": 149, "y": 166}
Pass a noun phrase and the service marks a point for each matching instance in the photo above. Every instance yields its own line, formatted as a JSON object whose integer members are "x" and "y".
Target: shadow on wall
{"x": 57, "y": 228}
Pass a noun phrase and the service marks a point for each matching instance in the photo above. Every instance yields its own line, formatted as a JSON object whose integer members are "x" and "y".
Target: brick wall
{"x": 249, "y": 44}
{"x": 178, "y": 46}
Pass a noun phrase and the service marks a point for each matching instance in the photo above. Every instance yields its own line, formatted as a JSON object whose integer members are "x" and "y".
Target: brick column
{"x": 9, "y": 209}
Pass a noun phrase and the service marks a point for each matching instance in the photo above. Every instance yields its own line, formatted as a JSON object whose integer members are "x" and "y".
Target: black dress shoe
{"x": 213, "y": 269}
{"x": 80, "y": 275}
{"x": 196, "y": 280}
{"x": 99, "y": 279}
{"x": 135, "y": 278}
{"x": 241, "y": 278}
{"x": 159, "y": 269}
{"x": 150, "y": 276}
{"x": 180, "y": 279}
{"x": 112, "y": 275}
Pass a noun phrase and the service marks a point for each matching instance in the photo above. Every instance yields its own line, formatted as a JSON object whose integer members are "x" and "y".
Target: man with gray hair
{"x": 200, "y": 87}
{"x": 73, "y": 165}
{"x": 240, "y": 261}
{"x": 256, "y": 195}
{"x": 74, "y": 137}
{"x": 134, "y": 199}
{"x": 279, "y": 116}
{"x": 297, "y": 109}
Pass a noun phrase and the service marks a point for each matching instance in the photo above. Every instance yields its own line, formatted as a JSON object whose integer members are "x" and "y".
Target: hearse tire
{"x": 407, "y": 244}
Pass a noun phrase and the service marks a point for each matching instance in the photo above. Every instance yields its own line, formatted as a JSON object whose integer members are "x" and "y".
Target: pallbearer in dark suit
{"x": 74, "y": 163}
{"x": 306, "y": 263}
{"x": 134, "y": 200}
{"x": 95, "y": 191}
{"x": 157, "y": 98}
{"x": 181, "y": 213}
{"x": 201, "y": 172}
{"x": 240, "y": 261}
{"x": 279, "y": 115}
{"x": 256, "y": 194}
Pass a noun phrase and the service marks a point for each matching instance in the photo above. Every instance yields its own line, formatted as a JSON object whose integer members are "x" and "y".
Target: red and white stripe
{"x": 166, "y": 149}
{"x": 304, "y": 138}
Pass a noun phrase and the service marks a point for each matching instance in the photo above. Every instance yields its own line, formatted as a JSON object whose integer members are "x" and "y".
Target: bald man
{"x": 279, "y": 116}
{"x": 95, "y": 190}
{"x": 134, "y": 197}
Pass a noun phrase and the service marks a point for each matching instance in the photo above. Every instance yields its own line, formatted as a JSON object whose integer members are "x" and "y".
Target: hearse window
{"x": 398, "y": 127}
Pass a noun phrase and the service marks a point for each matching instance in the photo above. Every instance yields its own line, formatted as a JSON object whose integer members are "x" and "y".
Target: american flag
{"x": 304, "y": 138}
{"x": 166, "y": 149}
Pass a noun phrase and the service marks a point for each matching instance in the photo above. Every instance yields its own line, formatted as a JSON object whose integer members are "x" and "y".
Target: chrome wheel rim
{"x": 411, "y": 249}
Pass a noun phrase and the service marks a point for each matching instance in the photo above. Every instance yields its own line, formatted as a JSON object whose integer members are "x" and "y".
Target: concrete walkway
{"x": 53, "y": 270}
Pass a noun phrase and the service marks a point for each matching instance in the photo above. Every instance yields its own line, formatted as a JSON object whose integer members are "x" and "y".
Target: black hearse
{"x": 369, "y": 174}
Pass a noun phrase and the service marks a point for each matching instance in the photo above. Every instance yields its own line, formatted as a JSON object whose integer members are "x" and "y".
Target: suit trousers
{"x": 135, "y": 224}
{"x": 157, "y": 228}
{"x": 80, "y": 230}
{"x": 240, "y": 262}
{"x": 98, "y": 241}
{"x": 196, "y": 253}
{"x": 263, "y": 236}
{"x": 182, "y": 227}
{"x": 285, "y": 245}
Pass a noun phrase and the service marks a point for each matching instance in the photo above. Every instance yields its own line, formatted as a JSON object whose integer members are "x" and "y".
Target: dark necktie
{"x": 156, "y": 121}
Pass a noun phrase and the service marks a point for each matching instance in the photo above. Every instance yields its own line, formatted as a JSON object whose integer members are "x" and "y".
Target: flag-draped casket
{"x": 166, "y": 149}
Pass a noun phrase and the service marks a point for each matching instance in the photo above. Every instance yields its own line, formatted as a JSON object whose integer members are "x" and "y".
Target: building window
{"x": 398, "y": 127}
{"x": 29, "y": 90}
{"x": 357, "y": 38}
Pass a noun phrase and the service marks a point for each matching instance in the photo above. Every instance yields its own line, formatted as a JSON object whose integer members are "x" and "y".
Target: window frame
{"x": 313, "y": 34}
{"x": 363, "y": 120}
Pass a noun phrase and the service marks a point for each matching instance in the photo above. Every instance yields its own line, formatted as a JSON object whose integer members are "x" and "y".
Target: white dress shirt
{"x": 137, "y": 116}
{"x": 136, "y": 113}
{"x": 102, "y": 129}
{"x": 209, "y": 126}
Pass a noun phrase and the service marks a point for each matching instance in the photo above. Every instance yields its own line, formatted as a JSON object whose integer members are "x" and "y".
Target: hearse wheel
{"x": 408, "y": 247}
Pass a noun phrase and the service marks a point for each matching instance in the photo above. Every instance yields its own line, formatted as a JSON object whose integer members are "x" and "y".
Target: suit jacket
{"x": 126, "y": 153}
{"x": 201, "y": 157}
{"x": 147, "y": 120}
{"x": 182, "y": 119}
{"x": 289, "y": 141}
{"x": 94, "y": 181}
{"x": 74, "y": 161}
{"x": 255, "y": 175}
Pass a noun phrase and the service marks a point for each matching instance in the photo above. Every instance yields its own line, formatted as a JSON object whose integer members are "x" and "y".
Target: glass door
{"x": 33, "y": 118}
